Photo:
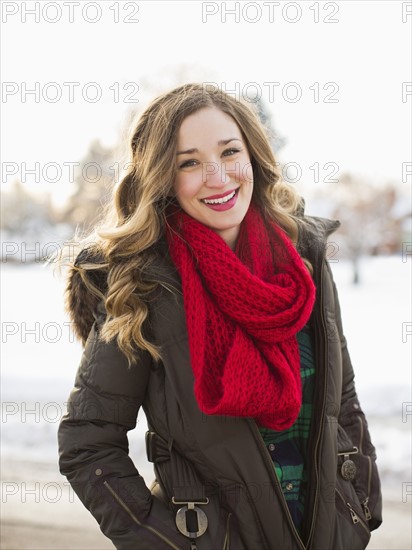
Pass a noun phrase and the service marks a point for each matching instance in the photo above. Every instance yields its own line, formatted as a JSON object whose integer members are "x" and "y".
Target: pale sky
{"x": 354, "y": 111}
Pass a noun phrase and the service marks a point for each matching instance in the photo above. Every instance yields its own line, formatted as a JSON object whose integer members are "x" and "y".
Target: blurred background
{"x": 332, "y": 81}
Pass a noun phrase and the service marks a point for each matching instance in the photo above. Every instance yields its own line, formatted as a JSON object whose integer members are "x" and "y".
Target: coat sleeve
{"x": 93, "y": 448}
{"x": 352, "y": 419}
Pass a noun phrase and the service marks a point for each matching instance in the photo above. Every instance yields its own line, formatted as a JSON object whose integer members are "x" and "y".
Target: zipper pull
{"x": 365, "y": 507}
{"x": 355, "y": 518}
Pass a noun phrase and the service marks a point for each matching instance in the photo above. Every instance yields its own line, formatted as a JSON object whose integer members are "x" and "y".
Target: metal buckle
{"x": 183, "y": 521}
{"x": 348, "y": 469}
{"x": 354, "y": 452}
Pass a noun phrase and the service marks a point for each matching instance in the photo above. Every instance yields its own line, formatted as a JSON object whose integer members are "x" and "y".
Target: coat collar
{"x": 314, "y": 232}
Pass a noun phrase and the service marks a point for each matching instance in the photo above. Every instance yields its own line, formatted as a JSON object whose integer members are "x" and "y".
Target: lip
{"x": 226, "y": 205}
{"x": 213, "y": 197}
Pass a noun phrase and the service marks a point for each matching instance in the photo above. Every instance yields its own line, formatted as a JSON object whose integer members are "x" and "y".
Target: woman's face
{"x": 214, "y": 180}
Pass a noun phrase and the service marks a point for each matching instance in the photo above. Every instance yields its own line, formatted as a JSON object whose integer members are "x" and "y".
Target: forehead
{"x": 207, "y": 124}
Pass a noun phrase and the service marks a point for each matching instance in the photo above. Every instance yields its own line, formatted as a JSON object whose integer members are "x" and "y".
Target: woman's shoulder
{"x": 314, "y": 231}
{"x": 87, "y": 287}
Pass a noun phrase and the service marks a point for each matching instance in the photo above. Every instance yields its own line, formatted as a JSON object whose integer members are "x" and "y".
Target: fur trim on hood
{"x": 82, "y": 305}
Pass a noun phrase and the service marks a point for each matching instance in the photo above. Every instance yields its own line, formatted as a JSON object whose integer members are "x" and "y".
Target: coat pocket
{"x": 232, "y": 539}
{"x": 151, "y": 529}
{"x": 351, "y": 529}
{"x": 365, "y": 481}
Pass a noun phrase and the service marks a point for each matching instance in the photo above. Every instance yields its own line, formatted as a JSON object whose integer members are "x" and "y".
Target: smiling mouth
{"x": 221, "y": 200}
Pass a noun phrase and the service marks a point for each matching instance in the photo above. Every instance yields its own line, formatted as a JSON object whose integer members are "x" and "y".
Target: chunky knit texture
{"x": 243, "y": 310}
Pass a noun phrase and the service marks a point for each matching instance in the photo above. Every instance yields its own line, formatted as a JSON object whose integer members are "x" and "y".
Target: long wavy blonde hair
{"x": 135, "y": 219}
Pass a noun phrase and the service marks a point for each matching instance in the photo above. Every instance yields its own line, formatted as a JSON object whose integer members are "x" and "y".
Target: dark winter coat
{"x": 221, "y": 458}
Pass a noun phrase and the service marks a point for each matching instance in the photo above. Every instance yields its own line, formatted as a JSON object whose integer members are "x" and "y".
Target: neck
{"x": 229, "y": 236}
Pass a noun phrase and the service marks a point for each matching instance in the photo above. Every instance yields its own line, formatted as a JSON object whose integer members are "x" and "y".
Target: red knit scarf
{"x": 243, "y": 310}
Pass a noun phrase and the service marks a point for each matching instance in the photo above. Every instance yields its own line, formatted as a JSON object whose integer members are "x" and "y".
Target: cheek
{"x": 179, "y": 186}
{"x": 187, "y": 186}
{"x": 245, "y": 169}
{"x": 247, "y": 173}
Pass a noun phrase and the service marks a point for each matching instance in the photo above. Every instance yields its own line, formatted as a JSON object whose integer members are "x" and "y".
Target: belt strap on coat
{"x": 188, "y": 492}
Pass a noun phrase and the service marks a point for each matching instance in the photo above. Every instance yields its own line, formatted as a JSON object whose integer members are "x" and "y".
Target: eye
{"x": 229, "y": 152}
{"x": 188, "y": 163}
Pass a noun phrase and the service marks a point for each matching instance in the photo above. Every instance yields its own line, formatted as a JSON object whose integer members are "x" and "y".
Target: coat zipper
{"x": 266, "y": 454}
{"x": 366, "y": 510}
{"x": 269, "y": 462}
{"x": 134, "y": 518}
{"x": 354, "y": 516}
{"x": 365, "y": 506}
{"x": 226, "y": 542}
{"x": 321, "y": 422}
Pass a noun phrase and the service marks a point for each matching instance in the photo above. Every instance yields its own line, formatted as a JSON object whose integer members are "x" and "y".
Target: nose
{"x": 214, "y": 174}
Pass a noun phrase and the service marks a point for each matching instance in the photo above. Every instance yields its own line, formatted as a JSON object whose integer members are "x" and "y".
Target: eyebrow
{"x": 194, "y": 150}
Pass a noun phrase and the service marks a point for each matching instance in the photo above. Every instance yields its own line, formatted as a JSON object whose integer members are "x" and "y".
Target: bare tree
{"x": 97, "y": 172}
{"x": 370, "y": 217}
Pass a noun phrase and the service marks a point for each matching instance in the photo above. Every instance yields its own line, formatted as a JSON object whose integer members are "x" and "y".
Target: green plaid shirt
{"x": 288, "y": 447}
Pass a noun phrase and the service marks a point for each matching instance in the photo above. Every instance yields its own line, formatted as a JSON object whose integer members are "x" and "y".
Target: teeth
{"x": 220, "y": 201}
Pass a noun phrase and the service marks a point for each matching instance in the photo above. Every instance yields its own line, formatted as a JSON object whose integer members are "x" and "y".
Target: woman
{"x": 209, "y": 303}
